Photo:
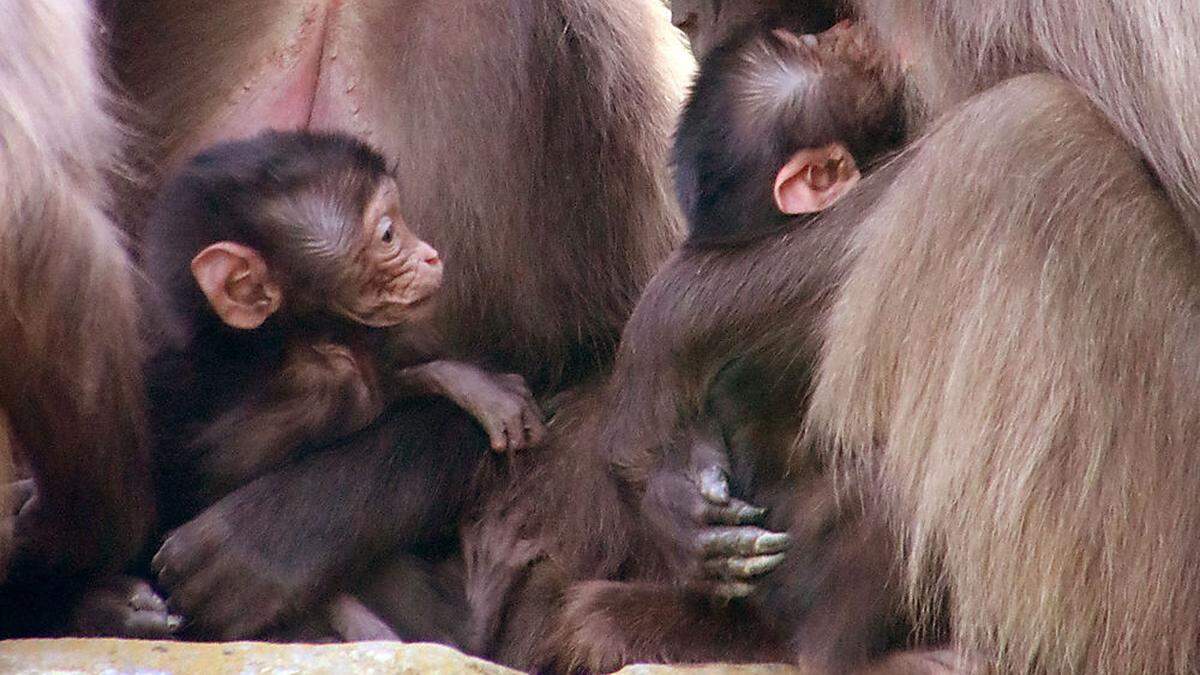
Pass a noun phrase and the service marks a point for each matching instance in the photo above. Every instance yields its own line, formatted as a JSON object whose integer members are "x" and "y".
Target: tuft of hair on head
{"x": 299, "y": 189}
{"x": 760, "y": 97}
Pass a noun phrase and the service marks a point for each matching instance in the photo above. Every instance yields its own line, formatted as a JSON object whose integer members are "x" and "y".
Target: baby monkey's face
{"x": 396, "y": 275}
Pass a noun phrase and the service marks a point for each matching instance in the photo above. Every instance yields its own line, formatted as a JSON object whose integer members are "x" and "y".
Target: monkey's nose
{"x": 428, "y": 255}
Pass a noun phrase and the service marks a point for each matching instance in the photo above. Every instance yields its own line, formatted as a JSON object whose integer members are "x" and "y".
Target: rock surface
{"x": 145, "y": 657}
{"x": 69, "y": 656}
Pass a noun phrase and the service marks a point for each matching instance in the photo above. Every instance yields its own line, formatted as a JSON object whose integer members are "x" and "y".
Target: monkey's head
{"x": 307, "y": 226}
{"x": 708, "y": 23}
{"x": 780, "y": 124}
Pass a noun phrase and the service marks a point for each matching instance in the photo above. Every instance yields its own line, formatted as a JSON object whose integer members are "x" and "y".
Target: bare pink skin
{"x": 306, "y": 80}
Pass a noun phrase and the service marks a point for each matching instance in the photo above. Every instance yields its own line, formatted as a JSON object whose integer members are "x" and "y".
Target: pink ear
{"x": 237, "y": 284}
{"x": 814, "y": 178}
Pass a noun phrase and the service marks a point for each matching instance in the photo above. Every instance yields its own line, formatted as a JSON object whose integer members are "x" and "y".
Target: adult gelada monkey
{"x": 71, "y": 399}
{"x": 1014, "y": 351}
{"x": 532, "y": 138}
{"x": 274, "y": 343}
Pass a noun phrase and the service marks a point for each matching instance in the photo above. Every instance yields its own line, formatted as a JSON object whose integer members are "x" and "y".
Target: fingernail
{"x": 752, "y": 512}
{"x": 763, "y": 564}
{"x": 773, "y": 542}
{"x": 734, "y": 590}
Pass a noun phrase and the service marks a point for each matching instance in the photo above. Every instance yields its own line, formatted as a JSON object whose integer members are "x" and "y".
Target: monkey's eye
{"x": 385, "y": 230}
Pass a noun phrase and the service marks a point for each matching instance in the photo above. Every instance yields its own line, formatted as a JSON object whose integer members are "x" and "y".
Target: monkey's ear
{"x": 815, "y": 178}
{"x": 237, "y": 283}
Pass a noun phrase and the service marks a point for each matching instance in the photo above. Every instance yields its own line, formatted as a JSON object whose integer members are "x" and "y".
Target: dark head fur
{"x": 294, "y": 197}
{"x": 763, "y": 95}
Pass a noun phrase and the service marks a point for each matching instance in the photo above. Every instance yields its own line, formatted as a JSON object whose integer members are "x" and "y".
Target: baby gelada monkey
{"x": 296, "y": 307}
{"x": 780, "y": 125}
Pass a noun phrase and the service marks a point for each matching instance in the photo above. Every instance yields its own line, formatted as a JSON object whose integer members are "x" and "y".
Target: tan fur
{"x": 1014, "y": 356}
{"x": 1136, "y": 60}
{"x": 69, "y": 352}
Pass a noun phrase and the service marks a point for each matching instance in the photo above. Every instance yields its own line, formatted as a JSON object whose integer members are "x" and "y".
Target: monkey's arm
{"x": 269, "y": 550}
{"x": 501, "y": 403}
{"x": 322, "y": 394}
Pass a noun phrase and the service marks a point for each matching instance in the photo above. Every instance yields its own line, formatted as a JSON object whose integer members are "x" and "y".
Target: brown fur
{"x": 69, "y": 348}
{"x": 532, "y": 138}
{"x": 834, "y": 598}
{"x": 1014, "y": 352}
{"x": 696, "y": 351}
{"x": 708, "y": 23}
{"x": 480, "y": 106}
{"x": 654, "y": 620}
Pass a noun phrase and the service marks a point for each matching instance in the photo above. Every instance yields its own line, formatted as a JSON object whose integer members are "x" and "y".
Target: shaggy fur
{"x": 1014, "y": 356}
{"x": 69, "y": 350}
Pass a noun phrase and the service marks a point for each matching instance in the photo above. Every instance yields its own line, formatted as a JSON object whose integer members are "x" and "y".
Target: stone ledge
{"x": 143, "y": 657}
{"x": 69, "y": 656}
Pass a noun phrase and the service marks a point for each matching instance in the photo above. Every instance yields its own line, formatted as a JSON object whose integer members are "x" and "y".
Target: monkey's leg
{"x": 272, "y": 548}
{"x": 605, "y": 625}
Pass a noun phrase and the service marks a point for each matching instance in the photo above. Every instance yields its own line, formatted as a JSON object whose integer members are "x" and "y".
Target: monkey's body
{"x": 689, "y": 411}
{"x": 281, "y": 263}
{"x": 224, "y": 416}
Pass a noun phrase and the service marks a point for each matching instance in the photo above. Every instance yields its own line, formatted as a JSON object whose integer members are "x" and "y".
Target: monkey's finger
{"x": 514, "y": 431}
{"x": 732, "y": 590}
{"x": 517, "y": 383}
{"x": 148, "y": 625}
{"x": 534, "y": 410}
{"x": 192, "y": 594}
{"x": 737, "y": 512}
{"x": 18, "y": 493}
{"x": 743, "y": 568}
{"x": 534, "y": 427}
{"x": 142, "y": 598}
{"x": 170, "y": 564}
{"x": 742, "y": 541}
{"x": 714, "y": 485}
{"x": 496, "y": 435}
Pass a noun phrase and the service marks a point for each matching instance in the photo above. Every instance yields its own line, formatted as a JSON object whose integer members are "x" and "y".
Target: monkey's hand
{"x": 501, "y": 403}
{"x": 715, "y": 539}
{"x": 221, "y": 580}
{"x": 123, "y": 607}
